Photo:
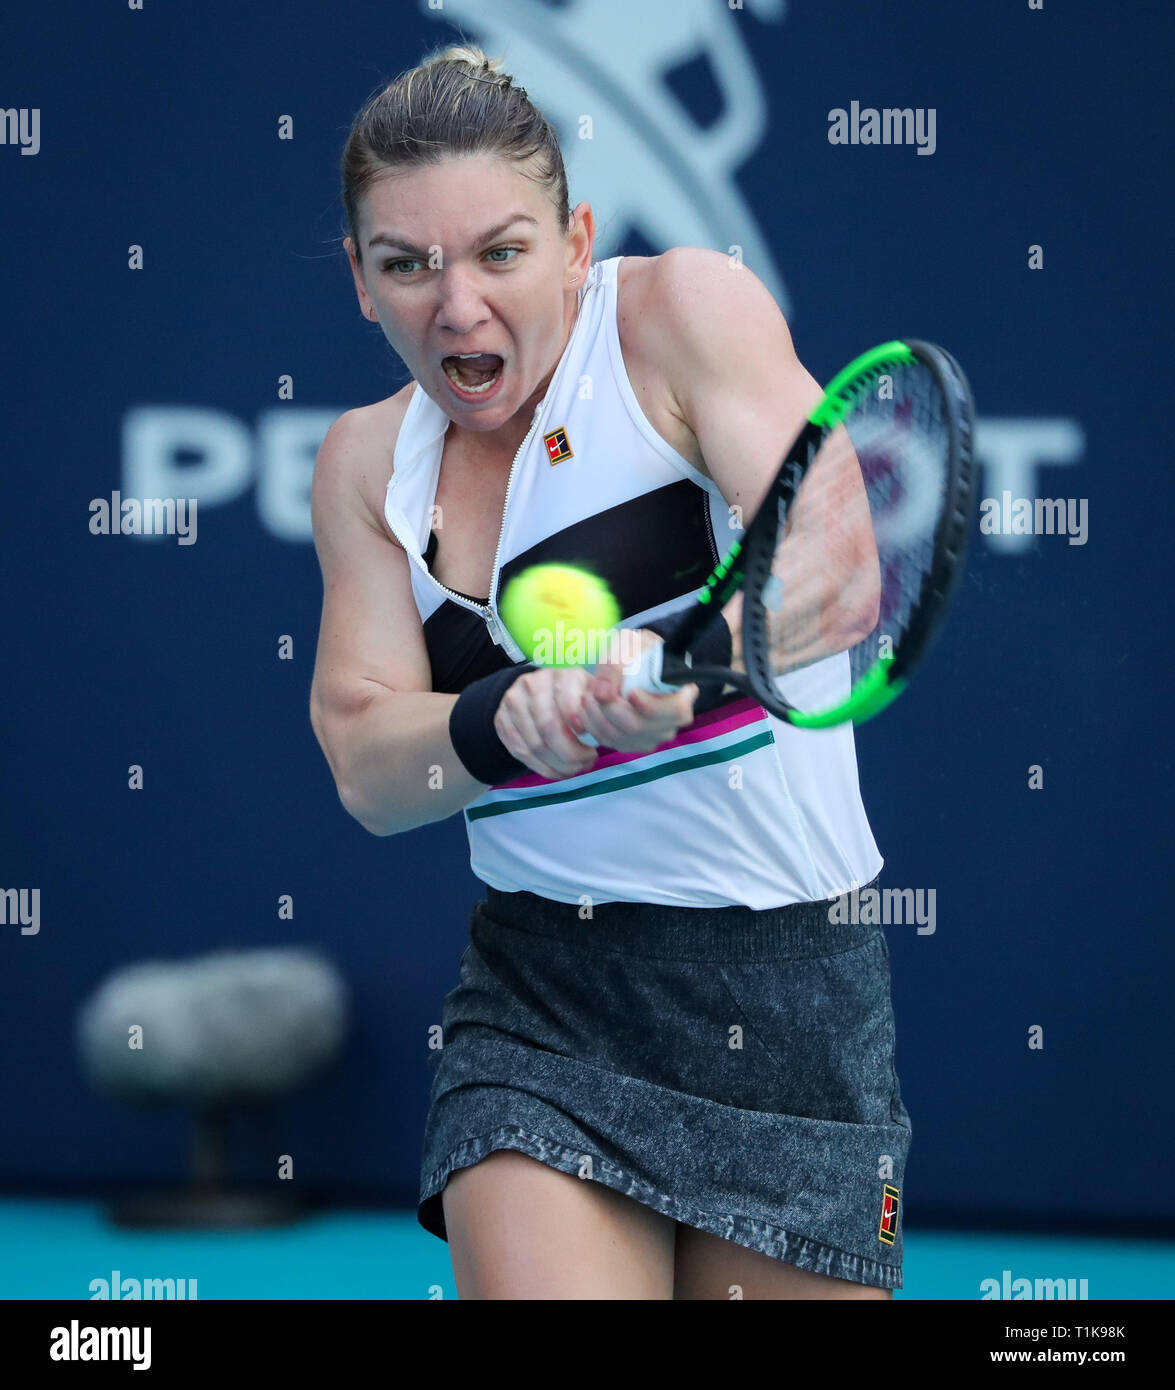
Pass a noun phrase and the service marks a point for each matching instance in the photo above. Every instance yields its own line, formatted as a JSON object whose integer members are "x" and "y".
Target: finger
{"x": 559, "y": 746}
{"x": 512, "y": 737}
{"x": 645, "y": 702}
{"x": 655, "y": 729}
{"x": 607, "y": 720}
{"x": 518, "y": 705}
{"x": 658, "y": 717}
{"x": 606, "y": 681}
{"x": 537, "y": 755}
{"x": 677, "y": 707}
{"x": 569, "y": 692}
{"x": 609, "y": 669}
{"x": 562, "y": 746}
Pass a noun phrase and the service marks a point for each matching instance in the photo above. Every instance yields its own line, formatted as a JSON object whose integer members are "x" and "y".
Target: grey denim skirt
{"x": 731, "y": 1068}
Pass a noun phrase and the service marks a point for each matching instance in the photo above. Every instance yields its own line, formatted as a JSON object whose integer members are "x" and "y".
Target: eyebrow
{"x": 398, "y": 243}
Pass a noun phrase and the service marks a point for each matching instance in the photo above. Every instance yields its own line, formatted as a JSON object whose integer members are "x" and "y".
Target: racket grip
{"x": 647, "y": 676}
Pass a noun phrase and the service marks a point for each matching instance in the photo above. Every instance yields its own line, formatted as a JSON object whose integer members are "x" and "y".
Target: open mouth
{"x": 473, "y": 373}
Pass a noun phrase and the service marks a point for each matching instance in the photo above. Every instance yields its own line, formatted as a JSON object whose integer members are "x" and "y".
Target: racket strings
{"x": 857, "y": 544}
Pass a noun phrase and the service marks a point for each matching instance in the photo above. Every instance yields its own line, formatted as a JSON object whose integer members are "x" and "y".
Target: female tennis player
{"x": 665, "y": 1072}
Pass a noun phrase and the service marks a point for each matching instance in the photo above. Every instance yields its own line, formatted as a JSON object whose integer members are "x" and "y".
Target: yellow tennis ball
{"x": 558, "y": 614}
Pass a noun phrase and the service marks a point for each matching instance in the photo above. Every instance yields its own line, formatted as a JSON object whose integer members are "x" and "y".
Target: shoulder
{"x": 698, "y": 313}
{"x": 686, "y": 281}
{"x": 355, "y": 459}
{"x": 377, "y": 425}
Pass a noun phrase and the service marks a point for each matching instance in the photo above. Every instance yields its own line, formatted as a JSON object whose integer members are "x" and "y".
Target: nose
{"x": 461, "y": 307}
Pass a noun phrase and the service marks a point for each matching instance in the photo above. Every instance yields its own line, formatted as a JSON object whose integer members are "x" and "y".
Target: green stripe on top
{"x": 631, "y": 779}
{"x": 842, "y": 390}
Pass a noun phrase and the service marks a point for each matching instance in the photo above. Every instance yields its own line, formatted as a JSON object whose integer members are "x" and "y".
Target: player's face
{"x": 439, "y": 287}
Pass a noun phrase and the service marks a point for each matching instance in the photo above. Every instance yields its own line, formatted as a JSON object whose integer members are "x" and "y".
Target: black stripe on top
{"x": 649, "y": 550}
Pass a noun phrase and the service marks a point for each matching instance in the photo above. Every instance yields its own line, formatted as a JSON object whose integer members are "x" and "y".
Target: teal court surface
{"x": 54, "y": 1249}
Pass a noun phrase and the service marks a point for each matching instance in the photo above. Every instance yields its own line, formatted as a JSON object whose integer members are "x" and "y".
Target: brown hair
{"x": 456, "y": 102}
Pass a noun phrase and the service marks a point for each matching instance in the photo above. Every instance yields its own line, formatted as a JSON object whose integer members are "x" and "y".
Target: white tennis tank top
{"x": 739, "y": 807}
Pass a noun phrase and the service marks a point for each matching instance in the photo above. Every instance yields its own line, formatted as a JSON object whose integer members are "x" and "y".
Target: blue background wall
{"x": 159, "y": 128}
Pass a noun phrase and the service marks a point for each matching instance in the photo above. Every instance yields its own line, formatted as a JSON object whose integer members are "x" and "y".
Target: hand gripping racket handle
{"x": 647, "y": 676}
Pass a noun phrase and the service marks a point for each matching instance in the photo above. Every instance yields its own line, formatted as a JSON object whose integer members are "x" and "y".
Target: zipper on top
{"x": 497, "y": 628}
{"x": 501, "y": 637}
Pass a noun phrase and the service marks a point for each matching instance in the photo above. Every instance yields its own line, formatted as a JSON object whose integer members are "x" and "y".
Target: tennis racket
{"x": 848, "y": 567}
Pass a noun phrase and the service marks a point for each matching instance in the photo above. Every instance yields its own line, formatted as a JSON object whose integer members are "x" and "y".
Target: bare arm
{"x": 383, "y": 731}
{"x": 732, "y": 367}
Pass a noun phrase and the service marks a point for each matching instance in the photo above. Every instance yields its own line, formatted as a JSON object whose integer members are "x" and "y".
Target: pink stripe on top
{"x": 709, "y": 725}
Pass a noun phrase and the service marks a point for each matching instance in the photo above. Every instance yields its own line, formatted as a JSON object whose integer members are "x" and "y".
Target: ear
{"x": 579, "y": 244}
{"x": 366, "y": 307}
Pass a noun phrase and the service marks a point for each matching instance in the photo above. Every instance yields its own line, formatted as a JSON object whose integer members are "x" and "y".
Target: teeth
{"x": 451, "y": 373}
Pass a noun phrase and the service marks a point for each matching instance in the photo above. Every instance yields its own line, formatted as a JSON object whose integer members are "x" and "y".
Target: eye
{"x": 389, "y": 267}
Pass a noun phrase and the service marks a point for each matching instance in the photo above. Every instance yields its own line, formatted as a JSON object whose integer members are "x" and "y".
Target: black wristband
{"x": 471, "y": 727}
{"x": 714, "y": 647}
